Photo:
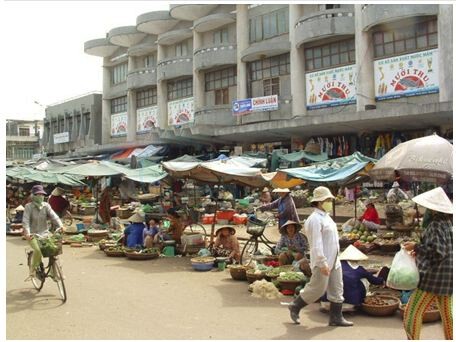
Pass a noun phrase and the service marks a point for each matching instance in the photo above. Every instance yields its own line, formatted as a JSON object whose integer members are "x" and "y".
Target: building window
{"x": 61, "y": 125}
{"x": 181, "y": 49}
{"x": 70, "y": 127}
{"x": 118, "y": 105}
{"x": 269, "y": 67}
{"x": 119, "y": 73}
{"x": 24, "y": 132}
{"x": 146, "y": 98}
{"x": 328, "y": 7}
{"x": 396, "y": 41}
{"x": 219, "y": 79}
{"x": 150, "y": 61}
{"x": 87, "y": 123}
{"x": 221, "y": 36}
{"x": 222, "y": 96}
{"x": 330, "y": 55}
{"x": 269, "y": 25}
{"x": 271, "y": 86}
{"x": 180, "y": 89}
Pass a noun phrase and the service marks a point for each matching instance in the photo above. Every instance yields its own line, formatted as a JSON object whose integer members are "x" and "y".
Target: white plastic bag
{"x": 403, "y": 274}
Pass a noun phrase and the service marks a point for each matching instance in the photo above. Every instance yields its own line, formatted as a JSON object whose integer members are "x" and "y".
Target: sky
{"x": 43, "y": 55}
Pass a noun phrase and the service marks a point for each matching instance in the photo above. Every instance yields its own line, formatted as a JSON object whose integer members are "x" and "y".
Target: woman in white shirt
{"x": 321, "y": 232}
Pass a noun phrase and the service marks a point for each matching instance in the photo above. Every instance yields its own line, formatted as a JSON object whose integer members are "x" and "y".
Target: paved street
{"x": 115, "y": 298}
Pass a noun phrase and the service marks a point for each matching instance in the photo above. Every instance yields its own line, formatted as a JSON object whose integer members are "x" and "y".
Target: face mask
{"x": 327, "y": 206}
{"x": 37, "y": 199}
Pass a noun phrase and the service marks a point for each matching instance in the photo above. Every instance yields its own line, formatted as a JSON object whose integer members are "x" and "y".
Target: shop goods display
{"x": 116, "y": 251}
{"x": 274, "y": 273}
{"x": 264, "y": 289}
{"x": 202, "y": 263}
{"x": 104, "y": 243}
{"x": 380, "y": 305}
{"x": 142, "y": 254}
{"x": 432, "y": 313}
{"x": 290, "y": 280}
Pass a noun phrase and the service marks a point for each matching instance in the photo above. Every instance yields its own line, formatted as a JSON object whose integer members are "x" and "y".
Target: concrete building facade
{"x": 23, "y": 139}
{"x": 73, "y": 126}
{"x": 301, "y": 71}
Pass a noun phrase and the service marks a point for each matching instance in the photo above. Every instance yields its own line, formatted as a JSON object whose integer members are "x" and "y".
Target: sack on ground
{"x": 403, "y": 274}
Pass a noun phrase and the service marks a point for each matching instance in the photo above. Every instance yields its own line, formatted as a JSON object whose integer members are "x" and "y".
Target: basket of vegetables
{"x": 143, "y": 254}
{"x": 290, "y": 280}
{"x": 380, "y": 305}
{"x": 274, "y": 273}
{"x": 238, "y": 272}
{"x": 50, "y": 246}
{"x": 116, "y": 251}
{"x": 202, "y": 263}
{"x": 432, "y": 313}
{"x": 254, "y": 275}
{"x": 104, "y": 243}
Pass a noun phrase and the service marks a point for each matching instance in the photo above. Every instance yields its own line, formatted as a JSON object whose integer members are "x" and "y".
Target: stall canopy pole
{"x": 215, "y": 213}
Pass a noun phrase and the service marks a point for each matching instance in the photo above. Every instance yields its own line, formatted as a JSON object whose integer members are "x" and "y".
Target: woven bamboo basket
{"x": 382, "y": 310}
{"x": 141, "y": 256}
{"x": 114, "y": 253}
{"x": 252, "y": 277}
{"x": 238, "y": 273}
{"x": 289, "y": 284}
{"x": 428, "y": 317}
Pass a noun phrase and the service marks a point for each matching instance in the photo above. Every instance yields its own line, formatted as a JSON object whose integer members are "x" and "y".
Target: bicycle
{"x": 190, "y": 219}
{"x": 256, "y": 227}
{"x": 45, "y": 272}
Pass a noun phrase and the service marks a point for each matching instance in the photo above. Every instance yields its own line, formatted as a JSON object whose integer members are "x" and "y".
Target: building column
{"x": 106, "y": 106}
{"x": 242, "y": 37}
{"x": 297, "y": 66}
{"x": 445, "y": 43}
{"x": 131, "y": 105}
{"x": 365, "y": 85}
{"x": 198, "y": 77}
{"x": 162, "y": 94}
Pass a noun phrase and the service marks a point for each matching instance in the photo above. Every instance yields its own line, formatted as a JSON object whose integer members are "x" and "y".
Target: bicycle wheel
{"x": 58, "y": 278}
{"x": 38, "y": 280}
{"x": 268, "y": 244}
{"x": 250, "y": 247}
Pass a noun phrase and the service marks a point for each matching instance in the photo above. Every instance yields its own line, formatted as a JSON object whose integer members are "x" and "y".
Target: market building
{"x": 71, "y": 126}
{"x": 350, "y": 77}
{"x": 23, "y": 139}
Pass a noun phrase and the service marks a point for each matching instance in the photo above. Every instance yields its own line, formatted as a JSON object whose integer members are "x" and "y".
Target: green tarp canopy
{"x": 31, "y": 175}
{"x": 336, "y": 171}
{"x": 297, "y": 156}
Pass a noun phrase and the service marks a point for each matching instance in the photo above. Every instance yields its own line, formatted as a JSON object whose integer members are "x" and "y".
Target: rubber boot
{"x": 335, "y": 316}
{"x": 295, "y": 307}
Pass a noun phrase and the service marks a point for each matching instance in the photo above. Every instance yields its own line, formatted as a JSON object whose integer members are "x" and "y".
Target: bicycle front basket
{"x": 253, "y": 220}
{"x": 50, "y": 247}
{"x": 255, "y": 230}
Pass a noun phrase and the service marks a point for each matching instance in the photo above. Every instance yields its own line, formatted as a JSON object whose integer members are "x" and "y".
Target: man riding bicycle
{"x": 35, "y": 218}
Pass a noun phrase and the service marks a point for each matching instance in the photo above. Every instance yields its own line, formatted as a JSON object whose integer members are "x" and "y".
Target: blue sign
{"x": 241, "y": 107}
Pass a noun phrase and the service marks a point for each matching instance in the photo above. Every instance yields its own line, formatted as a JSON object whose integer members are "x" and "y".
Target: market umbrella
{"x": 427, "y": 159}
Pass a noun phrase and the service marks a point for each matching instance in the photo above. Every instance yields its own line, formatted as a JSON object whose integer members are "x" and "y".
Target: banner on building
{"x": 60, "y": 138}
{"x": 119, "y": 124}
{"x": 331, "y": 87}
{"x": 146, "y": 118}
{"x": 407, "y": 75}
{"x": 255, "y": 104}
{"x": 181, "y": 112}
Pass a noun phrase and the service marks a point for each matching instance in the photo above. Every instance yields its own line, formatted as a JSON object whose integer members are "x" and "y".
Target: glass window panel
{"x": 326, "y": 61}
{"x": 274, "y": 61}
{"x": 224, "y": 82}
{"x": 267, "y": 73}
{"x": 275, "y": 71}
{"x": 389, "y": 49}
{"x": 258, "y": 29}
{"x": 317, "y": 63}
{"x": 252, "y": 30}
{"x": 421, "y": 29}
{"x": 432, "y": 26}
{"x": 218, "y": 83}
{"x": 283, "y": 69}
{"x": 433, "y": 40}
{"x": 410, "y": 44}
{"x": 308, "y": 53}
{"x": 421, "y": 42}
{"x": 344, "y": 57}
{"x": 317, "y": 52}
{"x": 325, "y": 50}
{"x": 399, "y": 46}
{"x": 378, "y": 37}
{"x": 225, "y": 36}
{"x": 309, "y": 65}
{"x": 334, "y": 48}
{"x": 351, "y": 56}
{"x": 335, "y": 60}
{"x": 387, "y": 37}
{"x": 343, "y": 46}
{"x": 283, "y": 21}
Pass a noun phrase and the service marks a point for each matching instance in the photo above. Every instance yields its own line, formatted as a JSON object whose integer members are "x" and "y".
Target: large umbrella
{"x": 427, "y": 159}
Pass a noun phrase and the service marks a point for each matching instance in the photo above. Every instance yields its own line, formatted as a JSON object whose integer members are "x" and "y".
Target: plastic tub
{"x": 225, "y": 215}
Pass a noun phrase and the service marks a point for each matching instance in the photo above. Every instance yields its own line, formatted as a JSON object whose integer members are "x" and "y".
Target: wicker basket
{"x": 428, "y": 317}
{"x": 289, "y": 284}
{"x": 114, "y": 253}
{"x": 238, "y": 273}
{"x": 383, "y": 310}
{"x": 252, "y": 277}
{"x": 344, "y": 243}
{"x": 58, "y": 251}
{"x": 123, "y": 213}
{"x": 141, "y": 256}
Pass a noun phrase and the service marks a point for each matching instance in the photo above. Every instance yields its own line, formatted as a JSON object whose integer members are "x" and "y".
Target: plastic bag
{"x": 403, "y": 274}
{"x": 349, "y": 225}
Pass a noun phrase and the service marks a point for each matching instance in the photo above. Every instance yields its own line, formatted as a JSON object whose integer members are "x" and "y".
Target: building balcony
{"x": 213, "y": 22}
{"x": 141, "y": 78}
{"x": 266, "y": 48}
{"x": 142, "y": 49}
{"x": 213, "y": 56}
{"x": 174, "y": 67}
{"x": 174, "y": 37}
{"x": 22, "y": 138}
{"x": 116, "y": 90}
{"x": 189, "y": 11}
{"x": 217, "y": 115}
{"x": 99, "y": 47}
{"x": 324, "y": 24}
{"x": 157, "y": 22}
{"x": 382, "y": 14}
{"x": 125, "y": 36}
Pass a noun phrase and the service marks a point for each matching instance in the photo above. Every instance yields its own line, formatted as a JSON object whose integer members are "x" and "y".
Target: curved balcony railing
{"x": 141, "y": 77}
{"x": 212, "y": 56}
{"x": 216, "y": 115}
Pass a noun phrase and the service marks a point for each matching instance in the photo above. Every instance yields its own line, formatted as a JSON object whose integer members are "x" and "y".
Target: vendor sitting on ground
{"x": 176, "y": 227}
{"x": 292, "y": 245}
{"x": 133, "y": 234}
{"x": 226, "y": 244}
{"x": 58, "y": 202}
{"x": 150, "y": 233}
{"x": 370, "y": 218}
{"x": 395, "y": 194}
{"x": 266, "y": 197}
{"x": 356, "y": 279}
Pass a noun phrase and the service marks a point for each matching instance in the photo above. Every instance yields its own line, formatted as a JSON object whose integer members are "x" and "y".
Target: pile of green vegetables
{"x": 291, "y": 276}
{"x": 49, "y": 246}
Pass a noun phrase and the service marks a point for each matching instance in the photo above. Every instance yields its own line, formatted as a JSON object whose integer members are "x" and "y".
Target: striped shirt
{"x": 434, "y": 258}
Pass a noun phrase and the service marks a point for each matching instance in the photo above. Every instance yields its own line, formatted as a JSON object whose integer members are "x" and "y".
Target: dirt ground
{"x": 116, "y": 298}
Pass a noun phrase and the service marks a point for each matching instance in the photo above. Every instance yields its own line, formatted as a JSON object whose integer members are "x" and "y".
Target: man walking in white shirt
{"x": 321, "y": 232}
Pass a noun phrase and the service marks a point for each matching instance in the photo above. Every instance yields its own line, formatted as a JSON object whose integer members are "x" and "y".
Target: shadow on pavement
{"x": 29, "y": 299}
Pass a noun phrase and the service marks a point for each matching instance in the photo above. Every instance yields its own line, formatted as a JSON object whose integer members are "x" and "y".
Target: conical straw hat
{"x": 435, "y": 199}
{"x": 352, "y": 253}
